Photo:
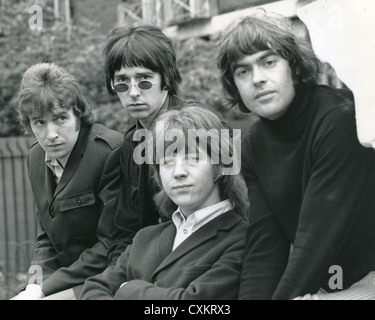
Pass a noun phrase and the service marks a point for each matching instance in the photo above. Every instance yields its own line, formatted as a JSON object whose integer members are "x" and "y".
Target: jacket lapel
{"x": 165, "y": 242}
{"x": 143, "y": 180}
{"x": 49, "y": 182}
{"x": 74, "y": 159}
{"x": 224, "y": 222}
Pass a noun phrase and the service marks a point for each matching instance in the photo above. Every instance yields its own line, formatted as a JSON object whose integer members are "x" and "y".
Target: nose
{"x": 134, "y": 91}
{"x": 52, "y": 131}
{"x": 258, "y": 76}
{"x": 179, "y": 170}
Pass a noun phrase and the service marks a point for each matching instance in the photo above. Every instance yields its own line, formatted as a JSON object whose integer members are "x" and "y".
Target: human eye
{"x": 168, "y": 161}
{"x": 142, "y": 77}
{"x": 38, "y": 122}
{"x": 270, "y": 62}
{"x": 241, "y": 73}
{"x": 122, "y": 79}
{"x": 61, "y": 119}
{"x": 192, "y": 158}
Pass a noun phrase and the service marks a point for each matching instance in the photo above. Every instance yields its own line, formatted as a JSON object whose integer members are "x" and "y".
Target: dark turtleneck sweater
{"x": 312, "y": 205}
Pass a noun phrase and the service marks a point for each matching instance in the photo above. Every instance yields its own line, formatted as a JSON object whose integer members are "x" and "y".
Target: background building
{"x": 180, "y": 18}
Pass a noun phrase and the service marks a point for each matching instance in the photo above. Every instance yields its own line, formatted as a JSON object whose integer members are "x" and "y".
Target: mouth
{"x": 264, "y": 94}
{"x": 135, "y": 105}
{"x": 182, "y": 186}
{"x": 56, "y": 145}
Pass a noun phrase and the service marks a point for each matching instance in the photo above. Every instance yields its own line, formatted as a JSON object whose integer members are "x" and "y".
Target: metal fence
{"x": 17, "y": 214}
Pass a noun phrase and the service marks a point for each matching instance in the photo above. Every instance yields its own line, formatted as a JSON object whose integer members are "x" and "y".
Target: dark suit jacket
{"x": 68, "y": 215}
{"x": 205, "y": 266}
{"x": 136, "y": 208}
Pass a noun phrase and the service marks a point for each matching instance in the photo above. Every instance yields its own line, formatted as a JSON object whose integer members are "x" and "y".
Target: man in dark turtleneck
{"x": 310, "y": 182}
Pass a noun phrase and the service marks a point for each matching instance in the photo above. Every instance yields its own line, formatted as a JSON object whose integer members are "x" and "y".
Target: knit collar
{"x": 293, "y": 122}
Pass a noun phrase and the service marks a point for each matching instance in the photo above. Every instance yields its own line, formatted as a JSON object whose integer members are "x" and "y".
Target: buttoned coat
{"x": 136, "y": 208}
{"x": 68, "y": 213}
{"x": 204, "y": 266}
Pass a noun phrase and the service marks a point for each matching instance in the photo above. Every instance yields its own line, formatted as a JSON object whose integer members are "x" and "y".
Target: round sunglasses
{"x": 123, "y": 87}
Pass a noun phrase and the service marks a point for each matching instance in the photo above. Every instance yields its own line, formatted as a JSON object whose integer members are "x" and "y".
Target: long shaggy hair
{"x": 141, "y": 45}
{"x": 45, "y": 86}
{"x": 260, "y": 32}
{"x": 231, "y": 187}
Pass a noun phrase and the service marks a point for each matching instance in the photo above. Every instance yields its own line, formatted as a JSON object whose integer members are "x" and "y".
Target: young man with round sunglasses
{"x": 141, "y": 69}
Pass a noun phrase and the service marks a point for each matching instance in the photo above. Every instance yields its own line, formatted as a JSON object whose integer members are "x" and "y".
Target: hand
{"x": 32, "y": 292}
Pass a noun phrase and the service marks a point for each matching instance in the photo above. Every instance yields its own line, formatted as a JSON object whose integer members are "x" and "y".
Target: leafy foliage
{"x": 81, "y": 54}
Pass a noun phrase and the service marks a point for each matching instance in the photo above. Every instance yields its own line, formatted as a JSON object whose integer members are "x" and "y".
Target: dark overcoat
{"x": 68, "y": 213}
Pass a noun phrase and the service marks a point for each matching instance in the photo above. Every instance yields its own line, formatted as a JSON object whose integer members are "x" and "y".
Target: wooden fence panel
{"x": 17, "y": 214}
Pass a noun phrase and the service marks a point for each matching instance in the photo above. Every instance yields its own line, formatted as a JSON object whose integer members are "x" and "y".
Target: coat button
{"x": 58, "y": 248}
{"x": 79, "y": 202}
{"x": 51, "y": 214}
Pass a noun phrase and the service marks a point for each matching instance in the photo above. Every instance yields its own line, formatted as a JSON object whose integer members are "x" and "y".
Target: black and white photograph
{"x": 207, "y": 150}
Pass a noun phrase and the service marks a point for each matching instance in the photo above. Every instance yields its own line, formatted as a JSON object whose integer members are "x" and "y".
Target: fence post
{"x": 17, "y": 214}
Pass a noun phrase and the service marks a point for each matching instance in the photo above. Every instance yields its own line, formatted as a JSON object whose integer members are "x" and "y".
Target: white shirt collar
{"x": 200, "y": 217}
{"x": 57, "y": 165}
{"x": 187, "y": 226}
{"x": 62, "y": 162}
